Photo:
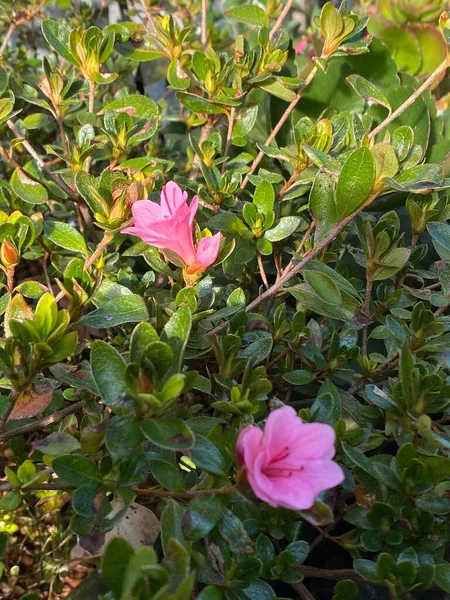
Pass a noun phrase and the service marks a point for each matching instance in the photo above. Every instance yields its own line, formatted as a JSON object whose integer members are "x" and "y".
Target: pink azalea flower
{"x": 170, "y": 226}
{"x": 290, "y": 462}
{"x": 300, "y": 46}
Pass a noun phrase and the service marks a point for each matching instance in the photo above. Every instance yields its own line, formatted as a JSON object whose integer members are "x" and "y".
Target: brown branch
{"x": 7, "y": 37}
{"x": 302, "y": 590}
{"x": 420, "y": 90}
{"x": 281, "y": 18}
{"x": 41, "y": 423}
{"x": 300, "y": 248}
{"x": 365, "y": 333}
{"x": 262, "y": 271}
{"x": 204, "y": 135}
{"x": 231, "y": 120}
{"x": 272, "y": 291}
{"x": 278, "y": 126}
{"x": 102, "y": 245}
{"x": 156, "y": 494}
{"x": 10, "y": 278}
{"x": 203, "y": 25}
{"x": 32, "y": 152}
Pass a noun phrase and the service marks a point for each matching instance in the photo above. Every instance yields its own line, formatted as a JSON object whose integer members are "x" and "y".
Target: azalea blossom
{"x": 170, "y": 226}
{"x": 289, "y": 463}
{"x": 300, "y": 46}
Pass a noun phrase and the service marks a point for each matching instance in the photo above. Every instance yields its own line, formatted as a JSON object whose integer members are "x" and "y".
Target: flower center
{"x": 272, "y": 470}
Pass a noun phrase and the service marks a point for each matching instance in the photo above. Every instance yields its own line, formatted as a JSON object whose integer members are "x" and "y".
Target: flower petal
{"x": 172, "y": 199}
{"x": 248, "y": 445}
{"x": 207, "y": 250}
{"x": 322, "y": 475}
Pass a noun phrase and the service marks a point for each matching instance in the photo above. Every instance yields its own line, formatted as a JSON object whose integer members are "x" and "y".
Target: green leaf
{"x": 322, "y": 203}
{"x": 141, "y": 107}
{"x": 176, "y": 334}
{"x": 358, "y": 458}
{"x": 115, "y": 560}
{"x": 58, "y": 37}
{"x": 64, "y": 235}
{"x": 125, "y": 309}
{"x": 207, "y": 456}
{"x": 10, "y": 501}
{"x": 76, "y": 470}
{"x": 440, "y": 232}
{"x": 168, "y": 432}
{"x": 199, "y": 105}
{"x": 26, "y": 189}
{"x": 172, "y": 525}
{"x": 366, "y": 569}
{"x": 264, "y": 197}
{"x": 355, "y": 182}
{"x": 285, "y": 227}
{"x": 442, "y": 576}
{"x": 57, "y": 443}
{"x": 368, "y": 91}
{"x": 176, "y": 77}
{"x": 108, "y": 370}
{"x": 324, "y": 286}
{"x": 299, "y": 377}
{"x": 83, "y": 500}
{"x": 167, "y": 475}
{"x": 249, "y": 14}
{"x": 123, "y": 437}
{"x": 201, "y": 516}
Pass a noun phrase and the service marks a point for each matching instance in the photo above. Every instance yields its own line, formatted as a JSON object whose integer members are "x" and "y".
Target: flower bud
{"x": 8, "y": 254}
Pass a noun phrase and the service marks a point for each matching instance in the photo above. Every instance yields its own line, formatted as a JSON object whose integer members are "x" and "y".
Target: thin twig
{"x": 279, "y": 125}
{"x": 365, "y": 332}
{"x": 5, "y": 416}
{"x": 148, "y": 14}
{"x": 7, "y": 37}
{"x": 262, "y": 271}
{"x": 420, "y": 90}
{"x": 302, "y": 590}
{"x": 91, "y": 95}
{"x": 32, "y": 152}
{"x": 156, "y": 494}
{"x": 10, "y": 278}
{"x": 204, "y": 135}
{"x": 204, "y": 28}
{"x": 41, "y": 423}
{"x": 281, "y": 18}
{"x": 272, "y": 291}
{"x": 231, "y": 120}
{"x": 102, "y": 245}
{"x": 300, "y": 248}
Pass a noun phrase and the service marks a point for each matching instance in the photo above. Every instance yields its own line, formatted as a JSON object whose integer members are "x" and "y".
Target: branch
{"x": 7, "y": 37}
{"x": 41, "y": 423}
{"x": 420, "y": 90}
{"x": 204, "y": 29}
{"x": 32, "y": 152}
{"x": 231, "y": 120}
{"x": 279, "y": 125}
{"x": 156, "y": 494}
{"x": 102, "y": 245}
{"x": 302, "y": 590}
{"x": 281, "y": 18}
{"x": 307, "y": 259}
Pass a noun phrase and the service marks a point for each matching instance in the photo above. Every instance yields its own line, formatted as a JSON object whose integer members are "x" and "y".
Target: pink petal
{"x": 145, "y": 212}
{"x": 282, "y": 432}
{"x": 316, "y": 440}
{"x": 207, "y": 250}
{"x": 300, "y": 46}
{"x": 322, "y": 475}
{"x": 290, "y": 492}
{"x": 172, "y": 199}
{"x": 248, "y": 445}
{"x": 193, "y": 209}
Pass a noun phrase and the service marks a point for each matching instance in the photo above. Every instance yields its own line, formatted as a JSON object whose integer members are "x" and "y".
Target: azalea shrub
{"x": 225, "y": 282}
